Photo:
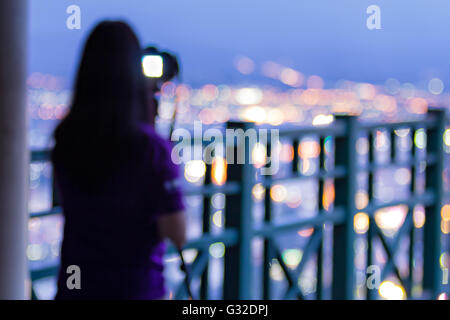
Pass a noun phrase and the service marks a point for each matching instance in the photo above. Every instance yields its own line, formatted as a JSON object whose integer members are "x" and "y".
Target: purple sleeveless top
{"x": 112, "y": 236}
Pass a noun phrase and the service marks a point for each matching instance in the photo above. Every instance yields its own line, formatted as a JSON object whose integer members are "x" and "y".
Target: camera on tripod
{"x": 159, "y": 67}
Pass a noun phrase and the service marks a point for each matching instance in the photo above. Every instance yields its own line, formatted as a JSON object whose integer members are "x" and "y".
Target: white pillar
{"x": 13, "y": 149}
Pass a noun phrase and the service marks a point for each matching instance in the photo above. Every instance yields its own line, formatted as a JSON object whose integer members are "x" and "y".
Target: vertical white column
{"x": 13, "y": 149}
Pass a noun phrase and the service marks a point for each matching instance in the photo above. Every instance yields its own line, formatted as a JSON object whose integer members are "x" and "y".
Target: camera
{"x": 159, "y": 67}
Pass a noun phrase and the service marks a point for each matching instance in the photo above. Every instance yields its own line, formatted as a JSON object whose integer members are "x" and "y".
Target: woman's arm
{"x": 173, "y": 227}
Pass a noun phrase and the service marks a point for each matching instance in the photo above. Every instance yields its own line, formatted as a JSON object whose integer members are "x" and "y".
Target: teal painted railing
{"x": 240, "y": 229}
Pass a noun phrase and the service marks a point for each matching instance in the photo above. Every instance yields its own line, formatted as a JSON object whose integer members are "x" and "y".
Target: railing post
{"x": 238, "y": 214}
{"x": 434, "y": 182}
{"x": 343, "y": 234}
{"x": 268, "y": 252}
{"x": 371, "y": 292}
{"x": 13, "y": 150}
{"x": 204, "y": 285}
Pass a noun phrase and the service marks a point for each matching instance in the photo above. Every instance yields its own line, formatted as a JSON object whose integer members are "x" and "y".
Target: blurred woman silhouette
{"x": 117, "y": 183}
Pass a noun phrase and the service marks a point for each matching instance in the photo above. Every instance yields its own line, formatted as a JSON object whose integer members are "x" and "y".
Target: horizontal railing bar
{"x": 336, "y": 216}
{"x": 337, "y": 172}
{"x": 369, "y": 167}
{"x": 425, "y": 198}
{"x": 337, "y": 129}
{"x": 45, "y": 213}
{"x": 40, "y": 155}
{"x": 228, "y": 188}
{"x": 40, "y": 273}
{"x": 229, "y": 237}
{"x": 413, "y": 124}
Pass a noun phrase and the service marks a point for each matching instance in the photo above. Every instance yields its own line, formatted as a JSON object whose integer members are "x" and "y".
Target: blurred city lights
{"x": 419, "y": 217}
{"x": 328, "y": 195}
{"x": 210, "y": 92}
{"x": 323, "y": 119}
{"x": 444, "y": 260}
{"x": 217, "y": 250}
{"x": 315, "y": 82}
{"x": 391, "y": 291}
{"x": 392, "y": 86}
{"x": 216, "y": 104}
{"x": 194, "y": 170}
{"x": 275, "y": 117}
{"x": 305, "y": 167}
{"x": 35, "y": 252}
{"x": 254, "y": 114}
{"x": 218, "y": 200}
{"x": 278, "y": 193}
{"x": 245, "y": 65}
{"x": 286, "y": 153}
{"x": 402, "y": 176}
{"x": 408, "y": 91}
{"x": 361, "y": 199}
{"x": 436, "y": 86}
{"x": 248, "y": 96}
{"x": 294, "y": 196}
{"x": 366, "y": 91}
{"x": 292, "y": 257}
{"x": 402, "y": 132}
{"x": 417, "y": 105}
{"x": 271, "y": 69}
{"x": 361, "y": 222}
{"x": 189, "y": 255}
{"x": 445, "y": 227}
{"x": 259, "y": 155}
{"x": 291, "y": 77}
{"x": 305, "y": 233}
{"x": 362, "y": 146}
{"x": 276, "y": 272}
{"x": 391, "y": 219}
{"x": 217, "y": 218}
{"x": 308, "y": 149}
{"x": 447, "y": 137}
{"x": 443, "y": 296}
{"x": 258, "y": 191}
{"x": 445, "y": 212}
{"x": 219, "y": 171}
{"x": 420, "y": 139}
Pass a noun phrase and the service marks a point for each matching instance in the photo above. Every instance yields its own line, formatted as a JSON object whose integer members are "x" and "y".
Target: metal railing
{"x": 341, "y": 168}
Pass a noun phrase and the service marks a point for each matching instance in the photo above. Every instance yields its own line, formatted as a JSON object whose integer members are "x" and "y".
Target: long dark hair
{"x": 108, "y": 106}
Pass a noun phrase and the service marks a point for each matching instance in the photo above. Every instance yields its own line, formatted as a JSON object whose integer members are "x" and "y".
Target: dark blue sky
{"x": 324, "y": 37}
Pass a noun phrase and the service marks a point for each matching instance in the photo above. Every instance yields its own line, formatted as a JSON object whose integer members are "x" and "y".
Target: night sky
{"x": 328, "y": 38}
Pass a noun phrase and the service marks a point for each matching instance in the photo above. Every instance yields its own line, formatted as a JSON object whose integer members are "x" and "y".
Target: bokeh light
{"x": 278, "y": 193}
{"x": 194, "y": 170}
{"x": 361, "y": 222}
{"x": 219, "y": 171}
{"x": 389, "y": 290}
{"x": 436, "y": 86}
{"x": 391, "y": 219}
